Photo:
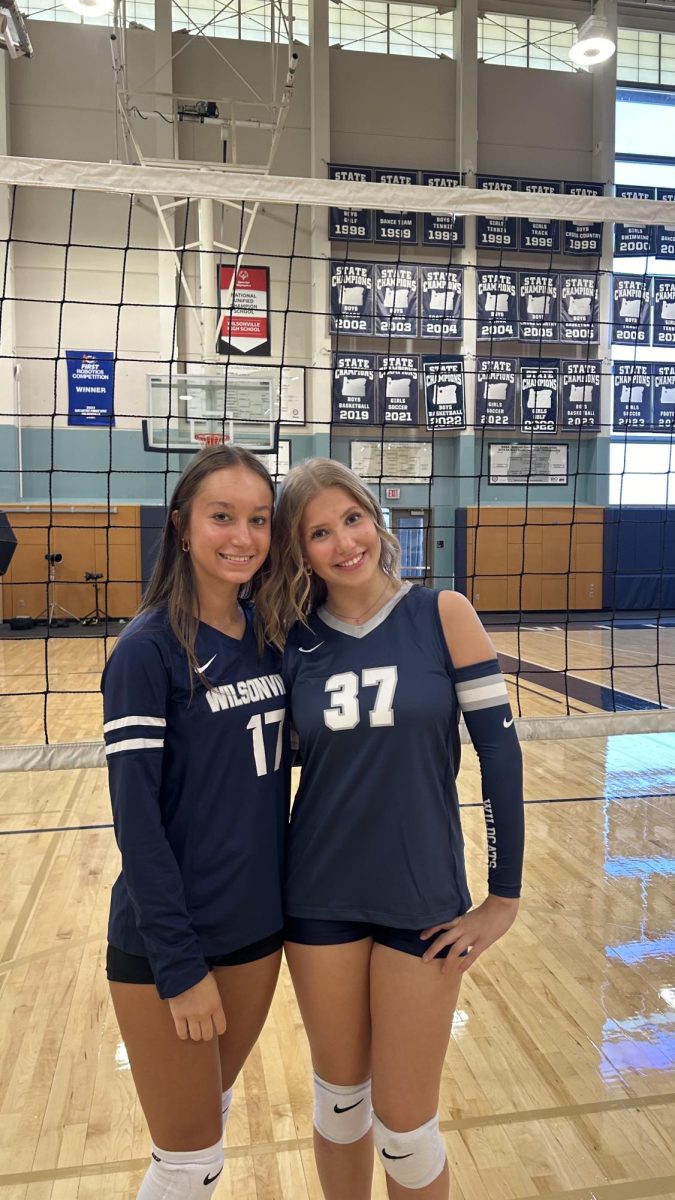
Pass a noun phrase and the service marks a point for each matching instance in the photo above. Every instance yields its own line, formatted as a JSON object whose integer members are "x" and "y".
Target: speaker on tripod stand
{"x": 54, "y": 612}
{"x": 97, "y": 613}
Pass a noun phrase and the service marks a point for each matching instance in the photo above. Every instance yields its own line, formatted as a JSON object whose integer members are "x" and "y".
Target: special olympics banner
{"x": 632, "y": 395}
{"x": 582, "y": 238}
{"x": 91, "y": 381}
{"x": 396, "y": 299}
{"x": 351, "y": 298}
{"x": 664, "y": 310}
{"x": 665, "y": 234}
{"x": 538, "y": 306}
{"x": 442, "y": 302}
{"x": 539, "y": 383}
{"x": 444, "y": 392}
{"x": 496, "y": 233}
{"x": 543, "y": 237}
{"x": 398, "y": 388}
{"x": 393, "y": 227}
{"x": 580, "y": 395}
{"x": 496, "y": 392}
{"x": 497, "y": 305}
{"x": 442, "y": 229}
{"x": 663, "y": 378}
{"x": 354, "y": 389}
{"x": 350, "y": 224}
{"x": 244, "y": 312}
{"x": 579, "y": 308}
{"x": 634, "y": 241}
{"x": 631, "y": 302}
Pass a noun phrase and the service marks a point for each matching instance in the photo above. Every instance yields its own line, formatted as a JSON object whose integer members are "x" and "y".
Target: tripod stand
{"x": 52, "y": 605}
{"x": 97, "y": 613}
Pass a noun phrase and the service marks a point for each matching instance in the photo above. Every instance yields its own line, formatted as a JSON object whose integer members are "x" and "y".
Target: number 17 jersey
{"x": 375, "y": 831}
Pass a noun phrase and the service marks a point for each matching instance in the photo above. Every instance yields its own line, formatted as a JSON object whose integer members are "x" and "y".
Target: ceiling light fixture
{"x": 594, "y": 43}
{"x": 90, "y": 8}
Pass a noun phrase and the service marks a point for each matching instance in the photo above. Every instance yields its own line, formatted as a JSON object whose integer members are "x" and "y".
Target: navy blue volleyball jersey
{"x": 375, "y": 831}
{"x": 199, "y": 781}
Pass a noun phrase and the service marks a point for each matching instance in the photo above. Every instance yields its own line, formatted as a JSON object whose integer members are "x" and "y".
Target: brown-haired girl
{"x": 195, "y": 731}
{"x": 379, "y": 924}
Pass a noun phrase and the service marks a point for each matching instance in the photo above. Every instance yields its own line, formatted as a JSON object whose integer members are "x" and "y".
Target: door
{"x": 412, "y": 527}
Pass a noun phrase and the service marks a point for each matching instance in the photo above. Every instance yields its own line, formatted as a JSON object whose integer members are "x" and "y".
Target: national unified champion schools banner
{"x": 91, "y": 375}
{"x": 244, "y": 311}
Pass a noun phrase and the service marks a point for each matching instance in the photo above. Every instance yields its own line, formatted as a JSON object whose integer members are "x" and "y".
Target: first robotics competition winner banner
{"x": 91, "y": 381}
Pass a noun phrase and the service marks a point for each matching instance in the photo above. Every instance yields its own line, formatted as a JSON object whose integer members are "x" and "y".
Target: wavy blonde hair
{"x": 290, "y": 593}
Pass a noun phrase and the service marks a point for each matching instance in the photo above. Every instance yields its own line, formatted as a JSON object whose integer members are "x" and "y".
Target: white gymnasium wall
{"x": 385, "y": 111}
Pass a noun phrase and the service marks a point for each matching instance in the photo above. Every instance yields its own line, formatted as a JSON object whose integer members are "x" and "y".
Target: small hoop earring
{"x": 185, "y": 546}
{"x": 308, "y": 569}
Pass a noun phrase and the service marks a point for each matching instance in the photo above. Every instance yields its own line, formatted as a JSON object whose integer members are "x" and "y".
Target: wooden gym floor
{"x": 560, "y": 1076}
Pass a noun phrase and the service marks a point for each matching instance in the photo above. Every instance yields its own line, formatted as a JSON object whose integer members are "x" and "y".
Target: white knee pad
{"x": 182, "y": 1175}
{"x": 412, "y": 1159}
{"x": 342, "y": 1114}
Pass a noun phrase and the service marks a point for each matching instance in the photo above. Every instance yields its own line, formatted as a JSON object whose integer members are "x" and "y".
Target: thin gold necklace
{"x": 357, "y": 620}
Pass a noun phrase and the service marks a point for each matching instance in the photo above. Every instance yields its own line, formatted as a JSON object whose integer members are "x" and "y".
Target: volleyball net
{"x": 497, "y": 362}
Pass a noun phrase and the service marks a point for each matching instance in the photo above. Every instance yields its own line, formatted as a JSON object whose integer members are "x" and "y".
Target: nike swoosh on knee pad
{"x": 397, "y": 1155}
{"x": 348, "y": 1108}
{"x": 212, "y": 1178}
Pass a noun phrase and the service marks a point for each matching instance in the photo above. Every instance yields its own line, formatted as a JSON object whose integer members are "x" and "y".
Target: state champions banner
{"x": 91, "y": 379}
{"x": 393, "y": 227}
{"x": 663, "y": 387}
{"x": 496, "y": 392}
{"x": 582, "y": 238}
{"x": 538, "y": 306}
{"x": 444, "y": 392}
{"x": 442, "y": 229}
{"x": 541, "y": 236}
{"x": 539, "y": 386}
{"x": 631, "y": 306}
{"x": 350, "y": 224}
{"x": 442, "y": 313}
{"x": 396, "y": 299}
{"x": 633, "y": 241}
{"x": 496, "y": 233}
{"x": 398, "y": 389}
{"x": 351, "y": 297}
{"x": 496, "y": 305}
{"x": 580, "y": 395}
{"x": 579, "y": 307}
{"x": 664, "y": 310}
{"x": 354, "y": 396}
{"x": 632, "y": 395}
{"x": 244, "y": 311}
{"x": 665, "y": 234}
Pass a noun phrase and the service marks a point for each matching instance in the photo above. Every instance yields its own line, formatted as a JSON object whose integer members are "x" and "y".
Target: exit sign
{"x": 392, "y": 493}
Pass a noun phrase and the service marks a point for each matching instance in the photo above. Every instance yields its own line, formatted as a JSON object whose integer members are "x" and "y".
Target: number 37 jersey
{"x": 375, "y": 830}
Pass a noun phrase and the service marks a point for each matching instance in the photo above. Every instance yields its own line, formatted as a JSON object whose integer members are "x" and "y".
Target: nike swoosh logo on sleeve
{"x": 507, "y": 724}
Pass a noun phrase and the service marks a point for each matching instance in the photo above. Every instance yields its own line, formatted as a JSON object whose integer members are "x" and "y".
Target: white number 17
{"x": 256, "y": 726}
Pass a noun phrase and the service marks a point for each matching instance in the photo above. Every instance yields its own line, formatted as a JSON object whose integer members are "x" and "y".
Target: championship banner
{"x": 580, "y": 395}
{"x": 664, "y": 310}
{"x": 539, "y": 383}
{"x": 663, "y": 377}
{"x": 396, "y": 299}
{"x": 496, "y": 392}
{"x": 497, "y": 305}
{"x": 354, "y": 389}
{"x": 579, "y": 308}
{"x": 244, "y": 312}
{"x": 582, "y": 238}
{"x": 538, "y": 306}
{"x": 398, "y": 388}
{"x": 395, "y": 226}
{"x": 350, "y": 224}
{"x": 631, "y": 302}
{"x": 444, "y": 392}
{"x": 543, "y": 237}
{"x": 351, "y": 298}
{"x": 442, "y": 229}
{"x": 442, "y": 302}
{"x": 632, "y": 395}
{"x": 633, "y": 241}
{"x": 496, "y": 233}
{"x": 665, "y": 234}
{"x": 91, "y": 381}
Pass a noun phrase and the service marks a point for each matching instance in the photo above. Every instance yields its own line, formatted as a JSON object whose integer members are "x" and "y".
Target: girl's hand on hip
{"x": 471, "y": 934}
{"x": 198, "y": 1012}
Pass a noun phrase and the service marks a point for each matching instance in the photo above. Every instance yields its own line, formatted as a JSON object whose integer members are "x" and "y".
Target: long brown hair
{"x": 289, "y": 593}
{"x": 172, "y": 583}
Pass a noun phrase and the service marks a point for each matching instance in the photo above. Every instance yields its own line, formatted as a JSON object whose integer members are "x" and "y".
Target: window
{"x": 510, "y": 41}
{"x": 641, "y": 472}
{"x": 644, "y": 56}
{"x": 140, "y": 12}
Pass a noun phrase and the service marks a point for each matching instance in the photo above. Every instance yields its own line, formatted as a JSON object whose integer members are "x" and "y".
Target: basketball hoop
{"x": 212, "y": 439}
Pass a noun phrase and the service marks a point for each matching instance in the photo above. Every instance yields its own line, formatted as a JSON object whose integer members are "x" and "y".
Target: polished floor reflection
{"x": 560, "y": 1076}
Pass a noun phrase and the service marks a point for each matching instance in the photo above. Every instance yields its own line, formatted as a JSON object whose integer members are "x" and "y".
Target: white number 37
{"x": 344, "y": 711}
